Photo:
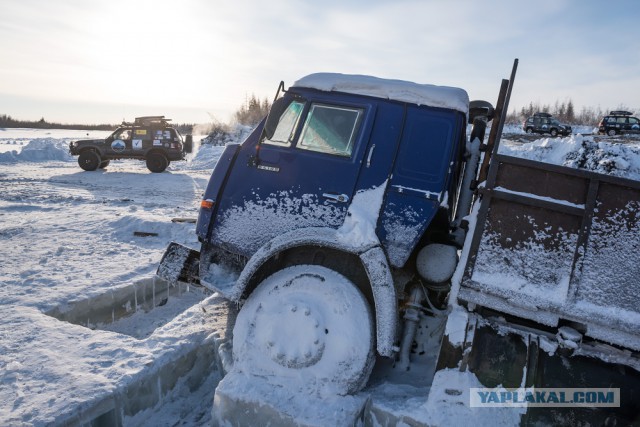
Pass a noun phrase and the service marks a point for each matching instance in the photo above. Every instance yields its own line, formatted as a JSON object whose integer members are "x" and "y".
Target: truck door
{"x": 301, "y": 174}
{"x": 423, "y": 178}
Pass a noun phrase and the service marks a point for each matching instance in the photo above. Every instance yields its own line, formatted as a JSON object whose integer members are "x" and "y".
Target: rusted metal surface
{"x": 502, "y": 107}
{"x": 555, "y": 244}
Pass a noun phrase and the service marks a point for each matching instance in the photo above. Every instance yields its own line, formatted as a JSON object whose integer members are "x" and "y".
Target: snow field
{"x": 68, "y": 238}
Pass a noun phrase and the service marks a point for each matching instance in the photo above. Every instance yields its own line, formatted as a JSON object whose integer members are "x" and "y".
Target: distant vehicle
{"x": 545, "y": 123}
{"x": 149, "y": 138}
{"x": 619, "y": 123}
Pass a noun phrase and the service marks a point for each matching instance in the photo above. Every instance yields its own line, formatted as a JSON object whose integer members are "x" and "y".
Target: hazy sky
{"x": 90, "y": 61}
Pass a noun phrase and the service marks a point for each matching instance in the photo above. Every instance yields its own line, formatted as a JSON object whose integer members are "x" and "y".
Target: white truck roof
{"x": 398, "y": 90}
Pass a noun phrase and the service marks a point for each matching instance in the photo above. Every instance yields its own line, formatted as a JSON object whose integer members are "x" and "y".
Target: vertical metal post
{"x": 502, "y": 108}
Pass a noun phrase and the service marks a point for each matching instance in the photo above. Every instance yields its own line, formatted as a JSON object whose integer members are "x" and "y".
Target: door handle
{"x": 373, "y": 147}
{"x": 335, "y": 198}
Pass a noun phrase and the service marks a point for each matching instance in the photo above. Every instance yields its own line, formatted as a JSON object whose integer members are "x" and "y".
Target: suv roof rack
{"x": 151, "y": 120}
{"x": 148, "y": 121}
{"x": 620, "y": 113}
{"x": 542, "y": 115}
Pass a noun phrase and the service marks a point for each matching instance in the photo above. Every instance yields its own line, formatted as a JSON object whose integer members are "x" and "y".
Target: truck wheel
{"x": 306, "y": 327}
{"x": 104, "y": 164}
{"x": 611, "y": 132}
{"x": 157, "y": 162}
{"x": 89, "y": 160}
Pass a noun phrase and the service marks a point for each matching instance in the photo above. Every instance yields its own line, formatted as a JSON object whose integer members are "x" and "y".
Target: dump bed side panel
{"x": 556, "y": 245}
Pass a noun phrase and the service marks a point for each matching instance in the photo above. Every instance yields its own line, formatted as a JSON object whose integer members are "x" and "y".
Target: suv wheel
{"x": 529, "y": 130}
{"x": 157, "y": 162}
{"x": 554, "y": 132}
{"x": 611, "y": 132}
{"x": 89, "y": 160}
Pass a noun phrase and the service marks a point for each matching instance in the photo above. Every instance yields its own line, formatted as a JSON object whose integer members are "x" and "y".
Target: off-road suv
{"x": 149, "y": 138}
{"x": 545, "y": 123}
{"x": 618, "y": 123}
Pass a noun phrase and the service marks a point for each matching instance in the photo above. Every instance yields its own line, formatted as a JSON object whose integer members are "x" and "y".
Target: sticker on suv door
{"x": 118, "y": 145}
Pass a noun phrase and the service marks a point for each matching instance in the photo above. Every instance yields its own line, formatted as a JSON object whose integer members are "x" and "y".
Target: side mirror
{"x": 480, "y": 109}
{"x": 278, "y": 107}
{"x": 188, "y": 143}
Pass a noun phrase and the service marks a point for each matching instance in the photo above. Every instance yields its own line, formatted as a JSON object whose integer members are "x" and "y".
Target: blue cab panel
{"x": 326, "y": 147}
{"x": 422, "y": 178}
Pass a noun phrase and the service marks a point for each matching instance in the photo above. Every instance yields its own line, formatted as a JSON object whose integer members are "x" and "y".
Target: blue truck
{"x": 348, "y": 213}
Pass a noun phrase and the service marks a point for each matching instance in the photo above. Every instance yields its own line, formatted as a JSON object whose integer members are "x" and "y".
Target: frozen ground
{"x": 68, "y": 235}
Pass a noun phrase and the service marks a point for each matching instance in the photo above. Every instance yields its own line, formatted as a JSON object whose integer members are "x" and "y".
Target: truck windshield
{"x": 287, "y": 124}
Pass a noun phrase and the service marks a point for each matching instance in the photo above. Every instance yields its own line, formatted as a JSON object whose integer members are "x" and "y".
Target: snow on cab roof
{"x": 398, "y": 90}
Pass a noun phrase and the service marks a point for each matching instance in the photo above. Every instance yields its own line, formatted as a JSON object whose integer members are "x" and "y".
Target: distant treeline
{"x": 253, "y": 110}
{"x": 9, "y": 122}
{"x": 248, "y": 114}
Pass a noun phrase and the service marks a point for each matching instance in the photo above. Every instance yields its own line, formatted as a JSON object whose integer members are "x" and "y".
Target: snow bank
{"x": 39, "y": 150}
{"x": 83, "y": 226}
{"x": 582, "y": 152}
{"x": 204, "y": 156}
{"x": 359, "y": 227}
{"x": 447, "y": 404}
{"x": 397, "y": 90}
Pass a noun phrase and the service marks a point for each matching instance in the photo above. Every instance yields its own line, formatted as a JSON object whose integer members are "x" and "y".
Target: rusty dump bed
{"x": 558, "y": 246}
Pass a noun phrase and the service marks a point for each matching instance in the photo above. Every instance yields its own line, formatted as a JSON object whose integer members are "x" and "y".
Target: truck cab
{"x": 350, "y": 178}
{"x": 303, "y": 166}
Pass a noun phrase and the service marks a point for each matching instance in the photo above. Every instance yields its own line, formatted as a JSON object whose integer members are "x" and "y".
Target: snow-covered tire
{"x": 89, "y": 160}
{"x": 306, "y": 328}
{"x": 157, "y": 162}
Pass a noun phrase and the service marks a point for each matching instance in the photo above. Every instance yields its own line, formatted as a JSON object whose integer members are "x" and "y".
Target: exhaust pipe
{"x": 480, "y": 113}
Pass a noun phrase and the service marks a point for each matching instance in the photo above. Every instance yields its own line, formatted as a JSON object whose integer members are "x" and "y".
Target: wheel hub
{"x": 292, "y": 334}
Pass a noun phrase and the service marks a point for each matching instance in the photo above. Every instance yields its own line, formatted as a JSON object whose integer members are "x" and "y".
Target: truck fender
{"x": 373, "y": 260}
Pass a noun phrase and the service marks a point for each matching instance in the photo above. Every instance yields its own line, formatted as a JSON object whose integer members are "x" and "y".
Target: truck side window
{"x": 331, "y": 129}
{"x": 287, "y": 125}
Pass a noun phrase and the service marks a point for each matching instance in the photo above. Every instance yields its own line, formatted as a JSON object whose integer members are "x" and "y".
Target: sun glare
{"x": 141, "y": 49}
